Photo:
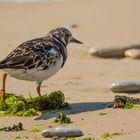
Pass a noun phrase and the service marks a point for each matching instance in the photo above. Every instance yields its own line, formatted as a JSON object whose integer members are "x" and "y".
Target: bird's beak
{"x": 75, "y": 41}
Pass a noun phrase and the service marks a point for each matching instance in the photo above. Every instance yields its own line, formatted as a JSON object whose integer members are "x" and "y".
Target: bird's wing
{"x": 31, "y": 54}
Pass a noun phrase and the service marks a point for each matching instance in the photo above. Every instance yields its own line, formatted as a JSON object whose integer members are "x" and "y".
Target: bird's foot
{"x": 2, "y": 91}
{"x": 2, "y": 98}
{"x": 38, "y": 89}
{"x": 2, "y": 95}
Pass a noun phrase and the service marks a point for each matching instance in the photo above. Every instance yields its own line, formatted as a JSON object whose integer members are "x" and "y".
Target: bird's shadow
{"x": 76, "y": 109}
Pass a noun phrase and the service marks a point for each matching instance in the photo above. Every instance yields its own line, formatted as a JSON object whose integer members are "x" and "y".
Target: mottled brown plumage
{"x": 40, "y": 58}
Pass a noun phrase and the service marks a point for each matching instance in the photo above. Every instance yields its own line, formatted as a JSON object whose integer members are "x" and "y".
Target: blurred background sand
{"x": 84, "y": 79}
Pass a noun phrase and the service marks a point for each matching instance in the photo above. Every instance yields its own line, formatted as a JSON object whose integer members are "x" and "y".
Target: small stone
{"x": 62, "y": 132}
{"x": 92, "y": 51}
{"x": 72, "y": 25}
{"x": 125, "y": 86}
{"x": 107, "y": 52}
{"x": 133, "y": 53}
{"x": 115, "y": 51}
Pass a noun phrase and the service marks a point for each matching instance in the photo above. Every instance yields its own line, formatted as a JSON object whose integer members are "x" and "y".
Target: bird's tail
{"x": 3, "y": 65}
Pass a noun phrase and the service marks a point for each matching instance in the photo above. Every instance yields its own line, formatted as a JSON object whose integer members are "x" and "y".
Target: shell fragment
{"x": 62, "y": 132}
{"x": 125, "y": 86}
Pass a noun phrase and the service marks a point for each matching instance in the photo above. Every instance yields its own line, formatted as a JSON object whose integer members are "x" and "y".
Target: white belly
{"x": 35, "y": 74}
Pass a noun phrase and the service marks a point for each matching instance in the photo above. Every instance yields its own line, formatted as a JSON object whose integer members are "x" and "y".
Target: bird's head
{"x": 63, "y": 35}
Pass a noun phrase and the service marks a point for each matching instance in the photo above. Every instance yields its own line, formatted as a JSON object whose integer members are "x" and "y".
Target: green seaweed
{"x": 18, "y": 137}
{"x": 110, "y": 135}
{"x": 62, "y": 118}
{"x": 3, "y": 106}
{"x": 105, "y": 135}
{"x": 39, "y": 103}
{"x": 2, "y": 113}
{"x": 35, "y": 130}
{"x": 37, "y": 138}
{"x": 10, "y": 101}
{"x": 56, "y": 99}
{"x": 16, "y": 107}
{"x": 102, "y": 113}
{"x": 117, "y": 134}
{"x": 137, "y": 107}
{"x": 20, "y": 106}
{"x": 128, "y": 105}
{"x": 30, "y": 112}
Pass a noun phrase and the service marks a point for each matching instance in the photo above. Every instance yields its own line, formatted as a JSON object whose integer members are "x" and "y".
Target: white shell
{"x": 107, "y": 52}
{"x": 62, "y": 132}
{"x": 114, "y": 52}
{"x": 92, "y": 51}
{"x": 125, "y": 86}
{"x": 133, "y": 53}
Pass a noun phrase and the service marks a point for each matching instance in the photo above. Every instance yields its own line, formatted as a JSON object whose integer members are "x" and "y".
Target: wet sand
{"x": 84, "y": 79}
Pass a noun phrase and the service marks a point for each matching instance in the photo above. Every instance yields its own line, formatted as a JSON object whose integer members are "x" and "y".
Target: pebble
{"x": 107, "y": 53}
{"x": 133, "y": 53}
{"x": 125, "y": 86}
{"x": 72, "y": 25}
{"x": 92, "y": 51}
{"x": 62, "y": 132}
{"x": 116, "y": 52}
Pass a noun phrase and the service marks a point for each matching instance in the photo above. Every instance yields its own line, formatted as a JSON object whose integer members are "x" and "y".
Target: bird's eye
{"x": 56, "y": 35}
{"x": 70, "y": 38}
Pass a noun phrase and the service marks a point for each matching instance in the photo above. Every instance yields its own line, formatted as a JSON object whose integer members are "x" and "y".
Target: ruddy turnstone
{"x": 38, "y": 59}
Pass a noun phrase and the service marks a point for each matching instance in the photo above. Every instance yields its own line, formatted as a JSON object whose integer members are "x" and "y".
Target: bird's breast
{"x": 36, "y": 74}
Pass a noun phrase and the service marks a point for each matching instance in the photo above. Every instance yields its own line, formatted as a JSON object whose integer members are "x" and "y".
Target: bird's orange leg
{"x": 38, "y": 89}
{"x": 2, "y": 91}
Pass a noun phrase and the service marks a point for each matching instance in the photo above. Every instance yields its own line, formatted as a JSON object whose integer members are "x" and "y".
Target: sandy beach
{"x": 84, "y": 79}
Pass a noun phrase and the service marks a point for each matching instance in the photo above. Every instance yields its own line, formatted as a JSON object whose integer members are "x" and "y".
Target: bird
{"x": 38, "y": 59}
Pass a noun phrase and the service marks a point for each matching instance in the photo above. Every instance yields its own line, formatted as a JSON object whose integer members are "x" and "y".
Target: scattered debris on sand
{"x": 102, "y": 113}
{"x": 62, "y": 118}
{"x": 125, "y": 102}
{"x": 35, "y": 130}
{"x": 110, "y": 135}
{"x": 17, "y": 127}
{"x": 72, "y": 25}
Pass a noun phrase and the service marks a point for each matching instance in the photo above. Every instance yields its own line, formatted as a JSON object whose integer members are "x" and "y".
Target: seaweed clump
{"x": 62, "y": 118}
{"x": 20, "y": 106}
{"x": 125, "y": 102}
{"x": 17, "y": 127}
{"x": 110, "y": 135}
